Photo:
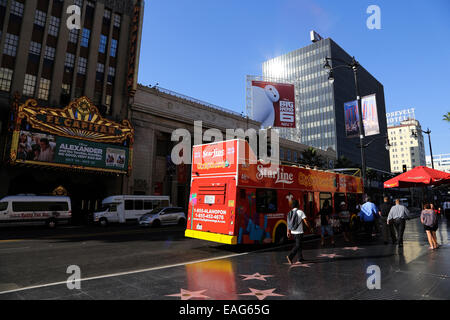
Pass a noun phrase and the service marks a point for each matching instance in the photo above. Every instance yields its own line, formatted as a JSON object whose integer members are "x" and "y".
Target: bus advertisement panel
{"x": 215, "y": 158}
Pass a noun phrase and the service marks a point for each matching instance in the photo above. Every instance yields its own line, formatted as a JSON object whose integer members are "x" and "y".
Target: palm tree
{"x": 344, "y": 162}
{"x": 447, "y": 117}
{"x": 310, "y": 157}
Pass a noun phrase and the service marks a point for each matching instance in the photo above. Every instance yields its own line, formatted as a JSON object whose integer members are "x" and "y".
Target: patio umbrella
{"x": 418, "y": 177}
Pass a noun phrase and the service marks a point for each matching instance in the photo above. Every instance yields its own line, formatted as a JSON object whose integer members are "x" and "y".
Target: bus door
{"x": 338, "y": 199}
{"x": 308, "y": 207}
{"x": 308, "y": 204}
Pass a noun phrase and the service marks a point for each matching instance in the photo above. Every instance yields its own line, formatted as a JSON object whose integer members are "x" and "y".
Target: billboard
{"x": 273, "y": 104}
{"x": 351, "y": 119}
{"x": 370, "y": 115}
{"x": 49, "y": 149}
{"x": 73, "y": 137}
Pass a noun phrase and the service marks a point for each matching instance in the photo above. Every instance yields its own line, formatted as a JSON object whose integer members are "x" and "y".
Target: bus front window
{"x": 3, "y": 206}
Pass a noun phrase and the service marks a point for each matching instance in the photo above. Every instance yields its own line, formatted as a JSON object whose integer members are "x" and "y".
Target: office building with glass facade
{"x": 320, "y": 105}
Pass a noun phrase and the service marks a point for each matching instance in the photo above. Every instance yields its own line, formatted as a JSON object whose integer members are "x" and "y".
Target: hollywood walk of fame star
{"x": 186, "y": 294}
{"x": 255, "y": 276}
{"x": 262, "y": 294}
{"x": 329, "y": 255}
{"x": 353, "y": 248}
{"x": 300, "y": 264}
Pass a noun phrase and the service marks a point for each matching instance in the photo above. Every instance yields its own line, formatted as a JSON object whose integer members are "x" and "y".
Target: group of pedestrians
{"x": 391, "y": 218}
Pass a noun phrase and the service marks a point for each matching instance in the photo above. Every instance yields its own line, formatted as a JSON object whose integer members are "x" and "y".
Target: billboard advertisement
{"x": 273, "y": 104}
{"x": 73, "y": 137}
{"x": 370, "y": 115}
{"x": 50, "y": 149}
{"x": 351, "y": 119}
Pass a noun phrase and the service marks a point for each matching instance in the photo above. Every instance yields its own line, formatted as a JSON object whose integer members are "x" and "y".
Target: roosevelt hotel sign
{"x": 397, "y": 117}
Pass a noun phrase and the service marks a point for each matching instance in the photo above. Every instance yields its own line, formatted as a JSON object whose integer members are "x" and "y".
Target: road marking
{"x": 12, "y": 240}
{"x": 128, "y": 272}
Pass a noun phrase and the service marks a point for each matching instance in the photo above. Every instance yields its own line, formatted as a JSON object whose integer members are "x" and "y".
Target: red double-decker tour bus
{"x": 235, "y": 199}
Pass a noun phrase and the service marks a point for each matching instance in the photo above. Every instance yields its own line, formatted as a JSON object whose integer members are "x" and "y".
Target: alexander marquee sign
{"x": 76, "y": 137}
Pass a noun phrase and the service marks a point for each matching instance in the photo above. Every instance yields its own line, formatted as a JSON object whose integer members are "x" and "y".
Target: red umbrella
{"x": 418, "y": 177}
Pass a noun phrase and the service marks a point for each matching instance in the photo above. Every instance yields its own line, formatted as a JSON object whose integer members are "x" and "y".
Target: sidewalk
{"x": 411, "y": 272}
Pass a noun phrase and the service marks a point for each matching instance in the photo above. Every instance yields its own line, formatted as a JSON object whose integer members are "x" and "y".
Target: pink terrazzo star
{"x": 187, "y": 295}
{"x": 261, "y": 294}
{"x": 329, "y": 255}
{"x": 353, "y": 248}
{"x": 255, "y": 276}
{"x": 299, "y": 264}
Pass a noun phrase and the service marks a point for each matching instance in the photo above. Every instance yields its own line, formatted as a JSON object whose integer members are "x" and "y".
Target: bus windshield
{"x": 3, "y": 206}
{"x": 111, "y": 207}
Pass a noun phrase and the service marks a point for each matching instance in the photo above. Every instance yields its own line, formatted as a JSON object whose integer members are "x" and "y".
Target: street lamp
{"x": 353, "y": 65}
{"x": 428, "y": 132}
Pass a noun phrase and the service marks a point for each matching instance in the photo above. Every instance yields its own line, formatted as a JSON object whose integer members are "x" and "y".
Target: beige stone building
{"x": 406, "y": 148}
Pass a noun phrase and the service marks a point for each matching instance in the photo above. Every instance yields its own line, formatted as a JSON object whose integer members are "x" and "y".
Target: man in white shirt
{"x": 296, "y": 218}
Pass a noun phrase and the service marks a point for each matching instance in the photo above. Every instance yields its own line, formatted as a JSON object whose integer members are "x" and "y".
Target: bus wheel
{"x": 51, "y": 223}
{"x": 103, "y": 222}
{"x": 281, "y": 234}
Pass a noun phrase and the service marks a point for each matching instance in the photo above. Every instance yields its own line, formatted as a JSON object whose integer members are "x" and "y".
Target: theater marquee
{"x": 74, "y": 137}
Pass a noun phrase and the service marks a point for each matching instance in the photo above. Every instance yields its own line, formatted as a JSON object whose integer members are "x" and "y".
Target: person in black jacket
{"x": 387, "y": 229}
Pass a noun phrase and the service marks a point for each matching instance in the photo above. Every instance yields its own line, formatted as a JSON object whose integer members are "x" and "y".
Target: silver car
{"x": 163, "y": 216}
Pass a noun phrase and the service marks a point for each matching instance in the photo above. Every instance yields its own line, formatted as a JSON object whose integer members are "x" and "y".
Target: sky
{"x": 205, "y": 48}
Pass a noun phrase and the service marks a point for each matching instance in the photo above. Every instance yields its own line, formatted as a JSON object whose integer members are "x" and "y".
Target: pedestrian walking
{"x": 397, "y": 216}
{"x": 344, "y": 217}
{"x": 387, "y": 229}
{"x": 325, "y": 222}
{"x": 296, "y": 218}
{"x": 429, "y": 219}
{"x": 367, "y": 215}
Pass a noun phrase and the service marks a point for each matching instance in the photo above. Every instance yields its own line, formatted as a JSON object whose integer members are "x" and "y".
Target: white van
{"x": 124, "y": 208}
{"x": 31, "y": 209}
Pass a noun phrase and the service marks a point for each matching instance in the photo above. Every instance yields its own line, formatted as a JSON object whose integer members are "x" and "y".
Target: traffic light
{"x": 404, "y": 168}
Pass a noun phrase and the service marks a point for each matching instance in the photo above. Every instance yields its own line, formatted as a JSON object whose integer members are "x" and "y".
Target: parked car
{"x": 163, "y": 216}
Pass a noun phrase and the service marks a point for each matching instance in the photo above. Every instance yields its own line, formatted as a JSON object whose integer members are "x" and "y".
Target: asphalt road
{"x": 126, "y": 262}
{"x": 31, "y": 256}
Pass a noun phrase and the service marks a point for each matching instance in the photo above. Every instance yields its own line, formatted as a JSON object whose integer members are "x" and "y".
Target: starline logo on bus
{"x": 213, "y": 154}
{"x": 278, "y": 174}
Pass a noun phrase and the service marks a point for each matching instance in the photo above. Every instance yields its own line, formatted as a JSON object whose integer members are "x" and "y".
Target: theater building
{"x": 64, "y": 97}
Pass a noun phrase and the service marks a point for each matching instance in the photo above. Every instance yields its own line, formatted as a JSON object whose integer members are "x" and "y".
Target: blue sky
{"x": 205, "y": 48}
